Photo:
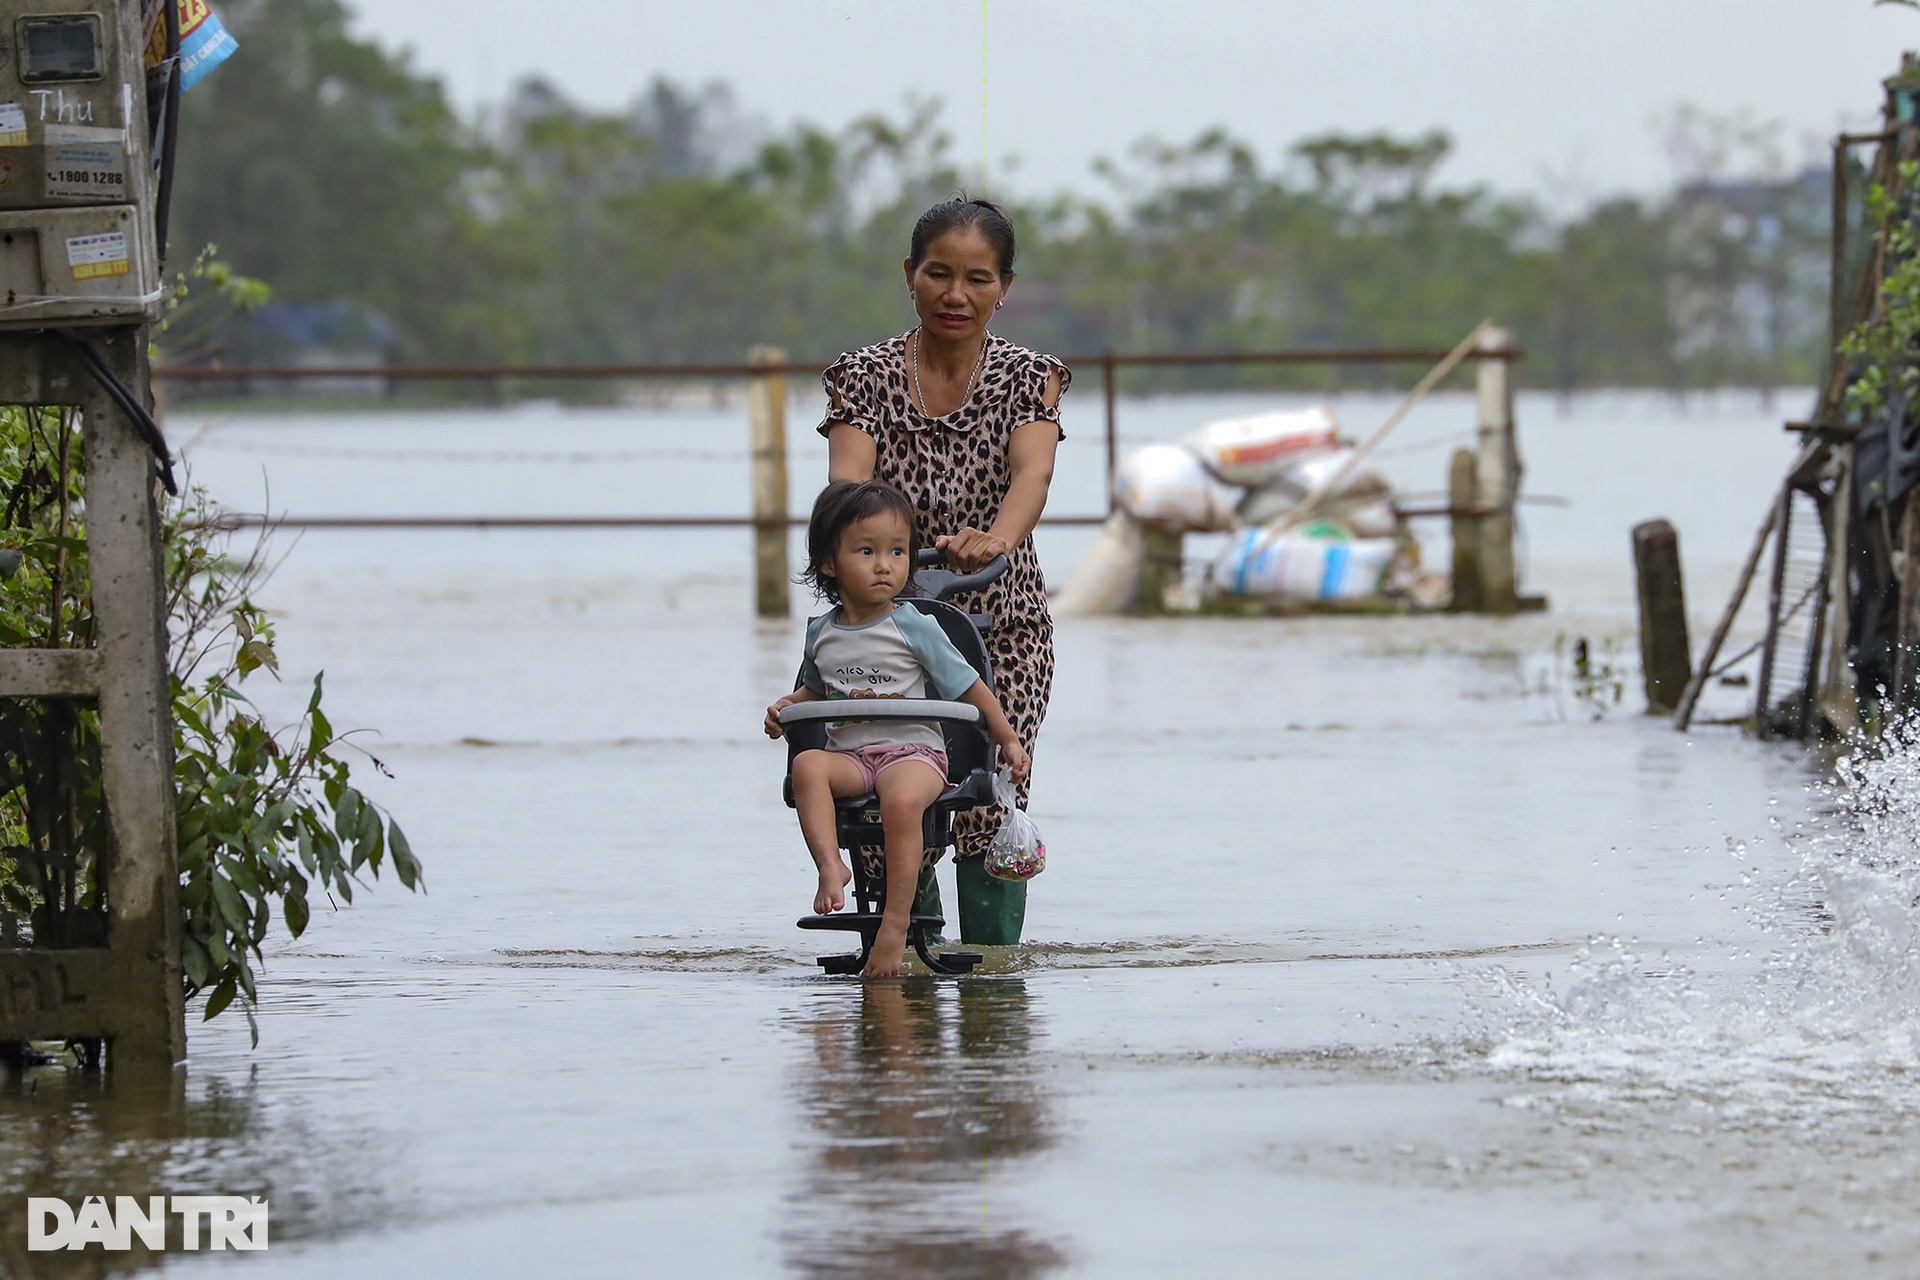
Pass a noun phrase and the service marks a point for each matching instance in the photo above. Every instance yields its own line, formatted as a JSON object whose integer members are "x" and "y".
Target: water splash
{"x": 1752, "y": 1104}
{"x": 1807, "y": 1013}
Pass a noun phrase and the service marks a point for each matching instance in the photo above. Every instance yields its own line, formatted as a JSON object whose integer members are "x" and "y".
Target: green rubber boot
{"x": 926, "y": 902}
{"x": 991, "y": 911}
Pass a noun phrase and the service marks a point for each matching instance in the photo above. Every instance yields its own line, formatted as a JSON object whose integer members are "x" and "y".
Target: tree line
{"x": 676, "y": 230}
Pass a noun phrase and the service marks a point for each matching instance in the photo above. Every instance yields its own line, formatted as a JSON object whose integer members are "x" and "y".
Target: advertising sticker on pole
{"x": 205, "y": 42}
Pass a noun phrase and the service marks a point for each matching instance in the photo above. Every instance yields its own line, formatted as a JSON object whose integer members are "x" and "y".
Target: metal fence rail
{"x": 459, "y": 373}
{"x": 1109, "y": 363}
{"x": 248, "y": 520}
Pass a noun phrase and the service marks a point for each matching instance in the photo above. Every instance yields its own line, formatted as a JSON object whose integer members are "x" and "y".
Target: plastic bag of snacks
{"x": 1018, "y": 852}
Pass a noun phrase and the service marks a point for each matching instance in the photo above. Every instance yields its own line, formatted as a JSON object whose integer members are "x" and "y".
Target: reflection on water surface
{"x": 917, "y": 1095}
{"x": 74, "y": 1134}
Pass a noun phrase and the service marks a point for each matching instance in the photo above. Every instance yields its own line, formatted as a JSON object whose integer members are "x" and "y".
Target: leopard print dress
{"x": 955, "y": 471}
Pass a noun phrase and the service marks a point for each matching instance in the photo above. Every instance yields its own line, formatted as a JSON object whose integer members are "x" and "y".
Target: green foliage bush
{"x": 50, "y": 793}
{"x": 1884, "y": 347}
{"x": 267, "y": 816}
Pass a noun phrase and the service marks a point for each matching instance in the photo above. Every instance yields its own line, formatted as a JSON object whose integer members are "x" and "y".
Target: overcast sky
{"x": 1537, "y": 93}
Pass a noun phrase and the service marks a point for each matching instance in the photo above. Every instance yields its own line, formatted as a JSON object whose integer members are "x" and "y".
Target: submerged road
{"x": 1365, "y": 949}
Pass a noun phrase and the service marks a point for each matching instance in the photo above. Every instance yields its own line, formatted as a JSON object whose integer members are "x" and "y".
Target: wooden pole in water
{"x": 1463, "y": 488}
{"x": 1499, "y": 476}
{"x": 1830, "y": 674}
{"x": 1704, "y": 671}
{"x": 1776, "y": 588}
{"x": 767, "y": 413}
{"x": 1665, "y": 655}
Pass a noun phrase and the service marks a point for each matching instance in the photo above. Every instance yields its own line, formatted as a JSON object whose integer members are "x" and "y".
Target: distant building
{"x": 332, "y": 333}
{"x": 1747, "y": 292}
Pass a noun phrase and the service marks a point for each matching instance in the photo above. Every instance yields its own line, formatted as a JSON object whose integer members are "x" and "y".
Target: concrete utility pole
{"x": 79, "y": 284}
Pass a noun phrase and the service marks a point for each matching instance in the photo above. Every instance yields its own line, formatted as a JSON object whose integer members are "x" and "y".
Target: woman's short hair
{"x": 839, "y": 505}
{"x": 984, "y": 216}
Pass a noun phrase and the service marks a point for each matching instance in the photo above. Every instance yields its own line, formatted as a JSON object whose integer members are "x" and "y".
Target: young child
{"x": 860, "y": 552}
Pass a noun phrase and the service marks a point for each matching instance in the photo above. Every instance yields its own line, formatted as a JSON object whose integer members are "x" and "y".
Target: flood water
{"x": 1367, "y": 947}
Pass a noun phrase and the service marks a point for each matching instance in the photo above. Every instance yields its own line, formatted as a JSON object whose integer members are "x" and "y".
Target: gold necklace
{"x": 973, "y": 377}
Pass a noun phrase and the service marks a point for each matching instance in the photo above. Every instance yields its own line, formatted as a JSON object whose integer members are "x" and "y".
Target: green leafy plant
{"x": 1882, "y": 347}
{"x": 201, "y": 299}
{"x": 265, "y": 815}
{"x": 1595, "y": 681}
{"x": 52, "y": 822}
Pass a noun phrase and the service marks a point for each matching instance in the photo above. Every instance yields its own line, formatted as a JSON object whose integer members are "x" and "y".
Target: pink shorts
{"x": 871, "y": 760}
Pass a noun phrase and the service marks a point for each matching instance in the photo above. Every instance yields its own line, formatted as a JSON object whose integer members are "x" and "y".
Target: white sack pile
{"x": 1248, "y": 476}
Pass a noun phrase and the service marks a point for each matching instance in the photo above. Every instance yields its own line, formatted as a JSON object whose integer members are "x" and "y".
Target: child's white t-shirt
{"x": 903, "y": 654}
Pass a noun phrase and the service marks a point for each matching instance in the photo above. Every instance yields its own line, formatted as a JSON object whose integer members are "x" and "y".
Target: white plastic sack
{"x": 1371, "y": 518}
{"x": 1363, "y": 503}
{"x": 1018, "y": 852}
{"x": 1318, "y": 561}
{"x": 1374, "y": 518}
{"x": 1108, "y": 577}
{"x": 1268, "y": 503}
{"x": 1253, "y": 451}
{"x": 1165, "y": 483}
{"x": 1308, "y": 474}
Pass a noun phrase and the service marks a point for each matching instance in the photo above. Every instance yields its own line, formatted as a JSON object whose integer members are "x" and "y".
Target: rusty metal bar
{"x": 1110, "y": 362}
{"x": 1479, "y": 509}
{"x": 1386, "y": 355}
{"x": 253, "y": 520}
{"x": 458, "y": 373}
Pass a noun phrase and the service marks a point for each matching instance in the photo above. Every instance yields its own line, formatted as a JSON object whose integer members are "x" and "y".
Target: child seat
{"x": 971, "y": 759}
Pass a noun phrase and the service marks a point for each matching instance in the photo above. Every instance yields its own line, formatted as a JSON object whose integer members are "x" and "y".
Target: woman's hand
{"x": 969, "y": 550}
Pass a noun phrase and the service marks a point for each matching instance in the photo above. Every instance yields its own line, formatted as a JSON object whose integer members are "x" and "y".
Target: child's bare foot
{"x": 889, "y": 954}
{"x": 833, "y": 888}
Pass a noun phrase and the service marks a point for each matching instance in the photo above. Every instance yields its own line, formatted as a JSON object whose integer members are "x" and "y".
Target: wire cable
{"x": 149, "y": 430}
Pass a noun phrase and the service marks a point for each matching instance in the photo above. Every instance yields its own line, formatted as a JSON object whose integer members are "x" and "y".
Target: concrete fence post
{"x": 1499, "y": 476}
{"x": 1463, "y": 498}
{"x": 767, "y": 412}
{"x": 1162, "y": 566}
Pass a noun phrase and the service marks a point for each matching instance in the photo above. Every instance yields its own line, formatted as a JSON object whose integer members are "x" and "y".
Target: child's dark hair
{"x": 839, "y": 505}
